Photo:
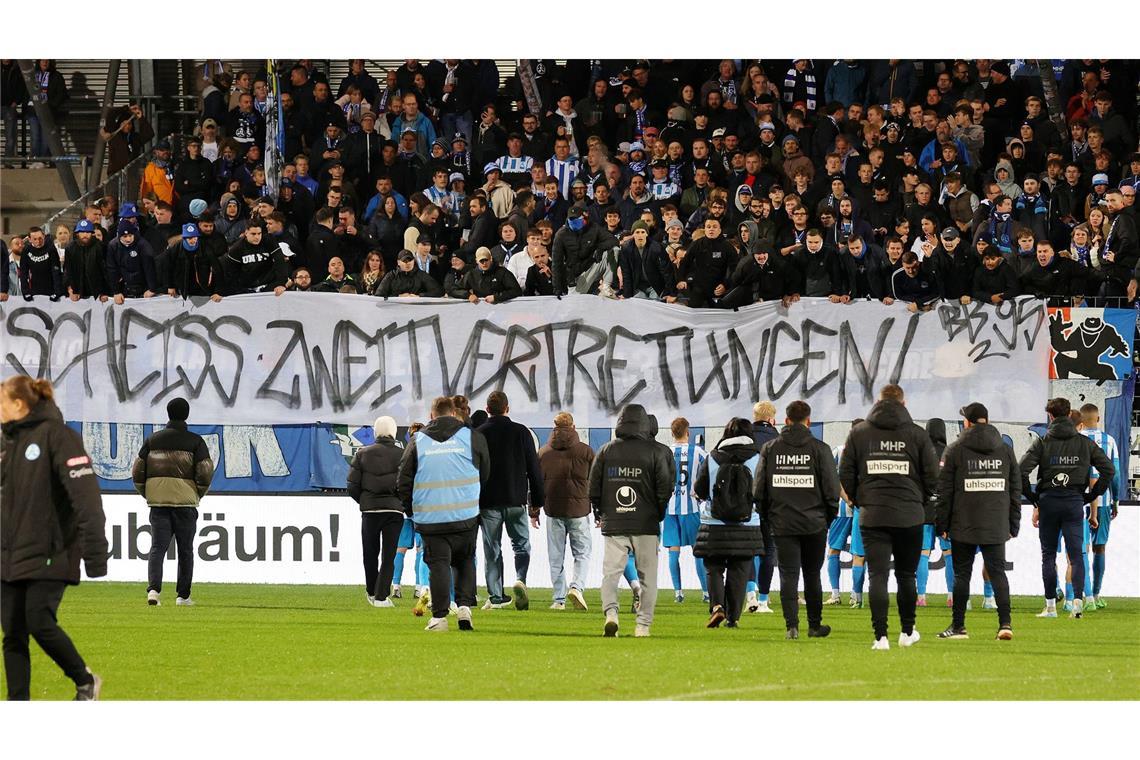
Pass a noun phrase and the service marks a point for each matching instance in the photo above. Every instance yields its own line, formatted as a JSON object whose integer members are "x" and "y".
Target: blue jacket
{"x": 441, "y": 475}
{"x": 933, "y": 152}
{"x": 130, "y": 270}
{"x": 845, "y": 84}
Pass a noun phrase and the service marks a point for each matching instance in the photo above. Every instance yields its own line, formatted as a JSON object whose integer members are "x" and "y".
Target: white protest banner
{"x": 294, "y": 539}
{"x": 306, "y": 357}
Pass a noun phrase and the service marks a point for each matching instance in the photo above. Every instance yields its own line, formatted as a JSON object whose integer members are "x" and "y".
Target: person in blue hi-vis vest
{"x": 442, "y": 473}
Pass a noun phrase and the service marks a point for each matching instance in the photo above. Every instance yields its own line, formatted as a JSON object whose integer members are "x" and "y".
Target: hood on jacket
{"x": 737, "y": 449}
{"x": 563, "y": 438}
{"x": 982, "y": 438}
{"x": 936, "y": 429}
{"x": 889, "y": 415}
{"x": 1004, "y": 164}
{"x": 633, "y": 422}
{"x": 44, "y": 411}
{"x": 1062, "y": 427}
{"x": 652, "y": 426}
{"x": 796, "y": 435}
{"x": 753, "y": 236}
{"x": 443, "y": 428}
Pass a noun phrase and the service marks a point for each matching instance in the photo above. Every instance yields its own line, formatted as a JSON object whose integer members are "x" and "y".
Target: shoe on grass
{"x": 183, "y": 602}
{"x": 705, "y": 597}
{"x": 989, "y": 603}
{"x": 611, "y": 628}
{"x": 464, "y": 616}
{"x": 522, "y": 601}
{"x": 641, "y": 632}
{"x": 792, "y": 633}
{"x": 1100, "y": 603}
{"x": 1048, "y": 612}
{"x": 762, "y": 607}
{"x": 383, "y": 603}
{"x": 152, "y": 598}
{"x": 954, "y": 633}
{"x": 89, "y": 692}
{"x": 751, "y": 602}
{"x": 909, "y": 640}
{"x": 1005, "y": 633}
{"x": 881, "y": 644}
{"x": 419, "y": 609}
{"x": 921, "y": 602}
{"x": 819, "y": 632}
{"x": 856, "y": 602}
{"x": 678, "y": 597}
{"x": 437, "y": 625}
{"x": 716, "y": 618}
{"x": 731, "y": 624}
{"x": 492, "y": 605}
{"x": 396, "y": 592}
{"x": 1067, "y": 606}
{"x": 1077, "y": 609}
{"x": 832, "y": 600}
{"x": 576, "y": 598}
{"x": 558, "y": 606}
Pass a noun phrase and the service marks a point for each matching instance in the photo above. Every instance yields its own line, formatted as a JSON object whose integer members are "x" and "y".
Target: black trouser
{"x": 739, "y": 296}
{"x": 727, "y": 580}
{"x": 447, "y": 553}
{"x": 803, "y": 552}
{"x": 993, "y": 556}
{"x": 27, "y": 608}
{"x": 768, "y": 564}
{"x": 906, "y": 546}
{"x": 379, "y": 535}
{"x": 1061, "y": 512}
{"x": 181, "y": 523}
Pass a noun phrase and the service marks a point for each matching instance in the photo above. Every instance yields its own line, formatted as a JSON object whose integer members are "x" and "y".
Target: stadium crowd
{"x": 702, "y": 183}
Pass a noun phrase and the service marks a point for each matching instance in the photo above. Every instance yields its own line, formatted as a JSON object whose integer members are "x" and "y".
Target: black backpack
{"x": 732, "y": 493}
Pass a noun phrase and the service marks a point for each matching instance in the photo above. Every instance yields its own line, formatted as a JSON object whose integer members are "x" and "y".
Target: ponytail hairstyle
{"x": 29, "y": 390}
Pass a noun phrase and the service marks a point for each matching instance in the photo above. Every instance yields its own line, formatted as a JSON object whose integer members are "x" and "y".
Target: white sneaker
{"x": 152, "y": 598}
{"x": 750, "y": 602}
{"x": 1078, "y": 608}
{"x": 419, "y": 591}
{"x": 1048, "y": 612}
{"x": 464, "y": 616}
{"x": 489, "y": 605}
{"x": 881, "y": 645}
{"x": 576, "y": 598}
{"x": 833, "y": 599}
{"x": 437, "y": 625}
{"x": 611, "y": 628}
{"x": 371, "y": 598}
{"x": 909, "y": 641}
{"x": 180, "y": 602}
{"x": 452, "y": 608}
{"x": 641, "y": 632}
{"x": 762, "y": 607}
{"x": 396, "y": 592}
{"x": 383, "y": 603}
{"x": 558, "y": 606}
{"x": 989, "y": 603}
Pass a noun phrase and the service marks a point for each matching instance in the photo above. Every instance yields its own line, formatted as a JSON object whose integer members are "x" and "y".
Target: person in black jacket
{"x": 727, "y": 548}
{"x": 797, "y": 494}
{"x": 130, "y": 264}
{"x": 372, "y": 479}
{"x": 979, "y": 507}
{"x": 193, "y": 177}
{"x": 913, "y": 284}
{"x": 643, "y": 265}
{"x": 1054, "y": 276}
{"x": 953, "y": 265}
{"x": 764, "y": 563}
{"x": 86, "y": 265}
{"x": 994, "y": 281}
{"x": 631, "y": 481}
{"x": 408, "y": 280}
{"x": 1062, "y": 460}
{"x": 577, "y": 247}
{"x": 173, "y": 471}
{"x": 40, "y": 271}
{"x": 490, "y": 282}
{"x": 707, "y": 266}
{"x": 253, "y": 265}
{"x": 888, "y": 470}
{"x": 191, "y": 270}
{"x": 515, "y": 483}
{"x": 52, "y": 516}
{"x": 760, "y": 276}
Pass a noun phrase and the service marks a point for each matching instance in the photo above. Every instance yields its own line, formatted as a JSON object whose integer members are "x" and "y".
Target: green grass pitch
{"x": 251, "y": 642}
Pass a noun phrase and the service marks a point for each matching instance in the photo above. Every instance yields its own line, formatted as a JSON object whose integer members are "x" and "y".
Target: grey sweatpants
{"x": 613, "y": 567}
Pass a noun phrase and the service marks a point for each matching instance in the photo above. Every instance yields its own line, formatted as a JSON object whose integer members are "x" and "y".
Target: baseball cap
{"x": 189, "y": 230}
{"x": 84, "y": 226}
{"x": 973, "y": 412}
{"x": 951, "y": 233}
{"x": 128, "y": 211}
{"x": 408, "y": 128}
{"x": 767, "y": 125}
{"x": 483, "y": 253}
{"x": 162, "y": 144}
{"x": 456, "y": 176}
{"x": 209, "y": 123}
{"x": 719, "y": 132}
{"x": 491, "y": 167}
{"x": 406, "y": 255}
{"x": 1100, "y": 179}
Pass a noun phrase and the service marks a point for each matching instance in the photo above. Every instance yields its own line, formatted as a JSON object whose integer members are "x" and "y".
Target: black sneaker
{"x": 731, "y": 624}
{"x": 819, "y": 632}
{"x": 793, "y": 633}
{"x": 954, "y": 633}
{"x": 89, "y": 692}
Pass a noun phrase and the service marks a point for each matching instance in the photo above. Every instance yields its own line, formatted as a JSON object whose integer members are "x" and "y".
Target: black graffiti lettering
{"x": 715, "y": 373}
{"x": 474, "y": 355}
{"x": 509, "y": 364}
{"x": 34, "y": 335}
{"x": 554, "y": 399}
{"x": 782, "y": 327}
{"x": 982, "y": 350}
{"x": 958, "y": 317}
{"x": 668, "y": 387}
{"x": 344, "y": 359}
{"x": 612, "y": 364}
{"x": 810, "y": 326}
{"x": 865, "y": 373}
{"x": 911, "y": 329}
{"x": 83, "y": 322}
{"x": 128, "y": 319}
{"x": 739, "y": 353}
{"x": 574, "y": 363}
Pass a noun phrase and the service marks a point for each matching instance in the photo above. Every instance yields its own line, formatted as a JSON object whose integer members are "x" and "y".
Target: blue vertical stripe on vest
{"x": 706, "y": 506}
{"x": 447, "y": 482}
{"x": 685, "y": 464}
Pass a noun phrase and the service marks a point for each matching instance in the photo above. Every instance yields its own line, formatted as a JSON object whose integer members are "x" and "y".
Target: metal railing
{"x": 123, "y": 186}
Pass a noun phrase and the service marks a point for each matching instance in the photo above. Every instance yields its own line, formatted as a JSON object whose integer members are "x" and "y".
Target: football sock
{"x": 701, "y": 576}
{"x": 858, "y": 573}
{"x": 1088, "y": 576}
{"x": 421, "y": 569}
{"x": 398, "y": 568}
{"x": 987, "y": 589}
{"x": 923, "y": 573}
{"x": 949, "y": 560}
{"x": 1068, "y": 589}
{"x": 1098, "y": 573}
{"x": 675, "y": 569}
{"x": 833, "y": 571}
{"x": 631, "y": 571}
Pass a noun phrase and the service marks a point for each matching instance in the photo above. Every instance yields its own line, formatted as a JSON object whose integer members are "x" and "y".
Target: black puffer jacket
{"x": 51, "y": 514}
{"x": 726, "y": 540}
{"x": 1062, "y": 459}
{"x": 631, "y": 479}
{"x": 979, "y": 489}
{"x": 496, "y": 281}
{"x": 86, "y": 272}
{"x": 173, "y": 468}
{"x": 416, "y": 281}
{"x": 373, "y": 475}
{"x": 573, "y": 254}
{"x": 888, "y": 468}
{"x": 936, "y": 429}
{"x": 796, "y": 487}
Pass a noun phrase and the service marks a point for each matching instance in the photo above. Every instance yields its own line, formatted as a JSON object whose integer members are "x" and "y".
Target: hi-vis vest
{"x": 706, "y": 506}
{"x": 447, "y": 482}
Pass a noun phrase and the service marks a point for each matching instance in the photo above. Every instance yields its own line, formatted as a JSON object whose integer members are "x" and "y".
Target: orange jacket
{"x": 154, "y": 180}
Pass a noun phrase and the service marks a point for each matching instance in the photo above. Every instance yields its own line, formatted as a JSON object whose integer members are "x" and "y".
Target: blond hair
{"x": 564, "y": 420}
{"x": 763, "y": 410}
